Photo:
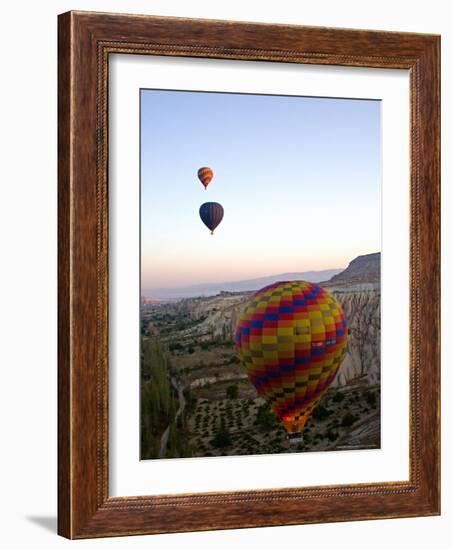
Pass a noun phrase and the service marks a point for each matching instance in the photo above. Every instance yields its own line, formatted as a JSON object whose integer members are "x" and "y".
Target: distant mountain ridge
{"x": 210, "y": 289}
{"x": 362, "y": 270}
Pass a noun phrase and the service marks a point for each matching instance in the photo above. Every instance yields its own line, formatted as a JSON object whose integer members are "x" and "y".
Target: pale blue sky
{"x": 299, "y": 179}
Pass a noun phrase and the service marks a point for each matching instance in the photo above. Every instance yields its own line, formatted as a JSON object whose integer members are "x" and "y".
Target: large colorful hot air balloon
{"x": 205, "y": 174}
{"x": 211, "y": 214}
{"x": 291, "y": 338}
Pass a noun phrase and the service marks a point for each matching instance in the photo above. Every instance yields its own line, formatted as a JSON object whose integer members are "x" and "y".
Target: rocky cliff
{"x": 357, "y": 288}
{"x": 362, "y": 360}
{"x": 216, "y": 319}
{"x": 363, "y": 269}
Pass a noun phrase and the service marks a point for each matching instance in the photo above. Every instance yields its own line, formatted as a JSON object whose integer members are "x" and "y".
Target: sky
{"x": 299, "y": 179}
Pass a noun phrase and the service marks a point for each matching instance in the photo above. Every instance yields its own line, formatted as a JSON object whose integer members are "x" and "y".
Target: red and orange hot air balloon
{"x": 205, "y": 175}
{"x": 291, "y": 338}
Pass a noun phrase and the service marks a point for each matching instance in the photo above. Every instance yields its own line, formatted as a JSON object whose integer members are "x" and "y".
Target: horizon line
{"x": 195, "y": 285}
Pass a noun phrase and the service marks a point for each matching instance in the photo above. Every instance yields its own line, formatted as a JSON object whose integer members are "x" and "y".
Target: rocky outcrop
{"x": 357, "y": 288}
{"x": 207, "y": 380}
{"x": 217, "y": 318}
{"x": 217, "y": 315}
{"x": 363, "y": 269}
{"x": 362, "y": 360}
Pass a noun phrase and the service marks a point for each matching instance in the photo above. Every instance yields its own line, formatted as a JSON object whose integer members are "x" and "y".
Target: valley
{"x": 211, "y": 409}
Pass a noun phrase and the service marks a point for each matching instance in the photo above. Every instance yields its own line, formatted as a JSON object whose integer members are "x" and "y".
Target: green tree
{"x": 348, "y": 420}
{"x": 371, "y": 398}
{"x": 232, "y": 392}
{"x": 338, "y": 397}
{"x": 332, "y": 435}
{"x": 321, "y": 413}
{"x": 222, "y": 437}
{"x": 157, "y": 398}
{"x": 265, "y": 418}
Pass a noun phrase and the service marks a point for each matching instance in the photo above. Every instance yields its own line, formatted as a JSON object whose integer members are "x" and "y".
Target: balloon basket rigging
{"x": 295, "y": 437}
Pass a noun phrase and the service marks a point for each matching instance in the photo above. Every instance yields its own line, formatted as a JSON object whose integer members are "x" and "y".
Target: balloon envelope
{"x": 291, "y": 338}
{"x": 205, "y": 174}
{"x": 211, "y": 213}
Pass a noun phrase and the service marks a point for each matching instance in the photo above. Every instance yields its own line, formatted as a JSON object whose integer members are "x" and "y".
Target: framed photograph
{"x": 248, "y": 275}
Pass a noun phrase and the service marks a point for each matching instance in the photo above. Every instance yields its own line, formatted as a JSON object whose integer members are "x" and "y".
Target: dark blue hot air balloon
{"x": 211, "y": 214}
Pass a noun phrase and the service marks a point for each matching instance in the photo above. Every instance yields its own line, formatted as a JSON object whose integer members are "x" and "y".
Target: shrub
{"x": 348, "y": 420}
{"x": 332, "y": 435}
{"x": 232, "y": 392}
{"x": 321, "y": 412}
{"x": 371, "y": 398}
{"x": 222, "y": 438}
{"x": 338, "y": 397}
{"x": 175, "y": 346}
{"x": 265, "y": 418}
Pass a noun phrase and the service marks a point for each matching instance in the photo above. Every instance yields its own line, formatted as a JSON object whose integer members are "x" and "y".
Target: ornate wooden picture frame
{"x": 86, "y": 40}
